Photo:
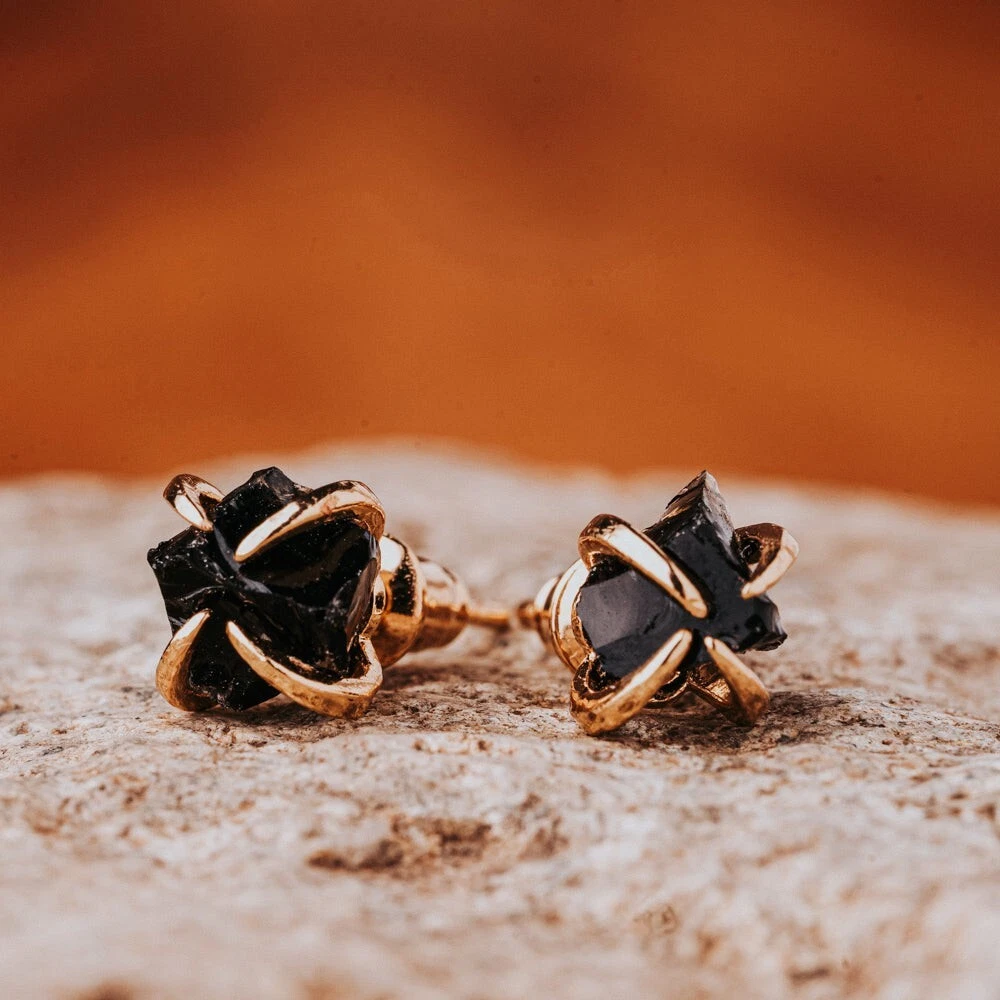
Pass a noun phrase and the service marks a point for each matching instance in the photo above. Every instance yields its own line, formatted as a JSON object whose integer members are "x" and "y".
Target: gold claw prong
{"x": 607, "y": 535}
{"x": 175, "y": 664}
{"x": 193, "y": 499}
{"x": 743, "y": 698}
{"x": 350, "y": 498}
{"x": 778, "y": 550}
{"x": 604, "y": 710}
{"x": 347, "y": 698}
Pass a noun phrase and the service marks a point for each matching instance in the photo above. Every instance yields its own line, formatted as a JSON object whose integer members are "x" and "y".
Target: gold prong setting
{"x": 319, "y": 595}
{"x": 193, "y": 499}
{"x": 688, "y": 592}
{"x": 346, "y": 698}
{"x": 610, "y": 536}
{"x": 173, "y": 670}
{"x": 339, "y": 500}
{"x": 772, "y": 550}
{"x": 602, "y": 709}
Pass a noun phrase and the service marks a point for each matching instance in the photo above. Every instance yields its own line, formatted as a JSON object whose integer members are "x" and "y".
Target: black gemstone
{"x": 305, "y": 597}
{"x": 626, "y": 617}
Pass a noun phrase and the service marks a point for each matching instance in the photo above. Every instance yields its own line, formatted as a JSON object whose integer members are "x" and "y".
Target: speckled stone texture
{"x": 465, "y": 839}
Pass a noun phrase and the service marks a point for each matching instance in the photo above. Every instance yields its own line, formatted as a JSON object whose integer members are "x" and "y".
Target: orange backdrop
{"x": 753, "y": 236}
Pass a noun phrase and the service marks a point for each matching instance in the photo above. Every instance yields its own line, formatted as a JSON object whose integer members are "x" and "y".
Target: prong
{"x": 604, "y": 710}
{"x": 778, "y": 550}
{"x": 193, "y": 499}
{"x": 175, "y": 664}
{"x": 347, "y": 497}
{"x": 346, "y": 698}
{"x": 564, "y": 630}
{"x": 608, "y": 535}
{"x": 743, "y": 698}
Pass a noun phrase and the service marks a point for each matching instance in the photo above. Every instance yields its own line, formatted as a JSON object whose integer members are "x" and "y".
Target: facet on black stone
{"x": 303, "y": 599}
{"x": 626, "y": 617}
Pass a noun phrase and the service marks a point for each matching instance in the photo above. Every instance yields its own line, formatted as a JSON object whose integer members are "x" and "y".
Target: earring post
{"x": 496, "y": 618}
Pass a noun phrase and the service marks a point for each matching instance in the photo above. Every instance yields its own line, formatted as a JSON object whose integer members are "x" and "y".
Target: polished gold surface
{"x": 552, "y": 614}
{"x": 402, "y": 611}
{"x": 193, "y": 499}
{"x": 776, "y": 551}
{"x": 347, "y": 698}
{"x": 495, "y": 618}
{"x": 607, "y": 535}
{"x": 446, "y": 606}
{"x": 534, "y": 614}
{"x": 565, "y": 629}
{"x": 726, "y": 682}
{"x": 744, "y": 699}
{"x": 175, "y": 661}
{"x": 426, "y": 605}
{"x": 599, "y": 710}
{"x": 347, "y": 498}
{"x": 416, "y": 603}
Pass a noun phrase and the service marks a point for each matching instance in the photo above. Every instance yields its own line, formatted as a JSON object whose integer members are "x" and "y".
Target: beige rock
{"x": 465, "y": 839}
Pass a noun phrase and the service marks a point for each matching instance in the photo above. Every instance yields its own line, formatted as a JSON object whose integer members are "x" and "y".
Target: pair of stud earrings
{"x": 275, "y": 588}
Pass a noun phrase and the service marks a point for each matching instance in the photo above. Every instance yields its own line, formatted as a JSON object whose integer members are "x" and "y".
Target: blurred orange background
{"x": 753, "y": 236}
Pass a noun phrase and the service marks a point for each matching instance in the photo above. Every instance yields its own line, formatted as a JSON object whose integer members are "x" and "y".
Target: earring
{"x": 643, "y": 617}
{"x": 278, "y": 588}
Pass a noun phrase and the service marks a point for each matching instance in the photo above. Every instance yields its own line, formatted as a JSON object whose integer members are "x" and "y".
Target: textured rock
{"x": 465, "y": 839}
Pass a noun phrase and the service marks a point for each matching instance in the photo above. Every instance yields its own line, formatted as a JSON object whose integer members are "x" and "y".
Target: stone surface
{"x": 465, "y": 839}
{"x": 305, "y": 596}
{"x": 627, "y": 617}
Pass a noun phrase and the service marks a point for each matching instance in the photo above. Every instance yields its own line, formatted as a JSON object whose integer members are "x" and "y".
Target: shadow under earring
{"x": 275, "y": 588}
{"x": 645, "y": 616}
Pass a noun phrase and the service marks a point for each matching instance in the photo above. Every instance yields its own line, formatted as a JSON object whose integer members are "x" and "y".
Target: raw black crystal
{"x": 306, "y": 596}
{"x": 626, "y": 617}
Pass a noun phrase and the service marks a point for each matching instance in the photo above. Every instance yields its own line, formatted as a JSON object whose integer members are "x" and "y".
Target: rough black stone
{"x": 306, "y": 596}
{"x": 626, "y": 617}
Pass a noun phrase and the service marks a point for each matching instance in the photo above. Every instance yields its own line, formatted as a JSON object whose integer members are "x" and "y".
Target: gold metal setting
{"x": 416, "y": 604}
{"x": 777, "y": 550}
{"x": 607, "y": 535}
{"x": 604, "y": 709}
{"x": 193, "y": 499}
{"x": 172, "y": 670}
{"x": 347, "y": 698}
{"x": 737, "y": 691}
{"x": 350, "y": 499}
{"x": 726, "y": 683}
